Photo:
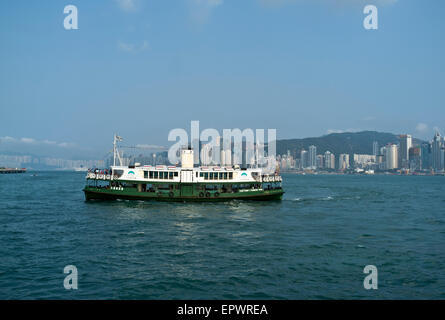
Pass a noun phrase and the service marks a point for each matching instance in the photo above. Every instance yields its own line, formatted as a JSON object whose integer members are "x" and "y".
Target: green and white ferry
{"x": 181, "y": 183}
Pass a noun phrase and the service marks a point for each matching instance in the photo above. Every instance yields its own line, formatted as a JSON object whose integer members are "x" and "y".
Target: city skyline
{"x": 404, "y": 155}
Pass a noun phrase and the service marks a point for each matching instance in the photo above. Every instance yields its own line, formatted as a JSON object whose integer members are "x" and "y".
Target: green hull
{"x": 93, "y": 193}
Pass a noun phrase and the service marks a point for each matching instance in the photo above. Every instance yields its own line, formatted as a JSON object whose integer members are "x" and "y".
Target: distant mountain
{"x": 337, "y": 143}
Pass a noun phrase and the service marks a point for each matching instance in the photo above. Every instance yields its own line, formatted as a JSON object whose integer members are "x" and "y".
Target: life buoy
{"x": 208, "y": 194}
{"x": 216, "y": 194}
{"x": 201, "y": 194}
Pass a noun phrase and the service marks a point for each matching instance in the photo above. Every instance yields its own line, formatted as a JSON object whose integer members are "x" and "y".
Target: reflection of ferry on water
{"x": 185, "y": 183}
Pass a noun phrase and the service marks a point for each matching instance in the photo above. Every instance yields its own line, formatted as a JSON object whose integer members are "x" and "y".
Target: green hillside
{"x": 337, "y": 143}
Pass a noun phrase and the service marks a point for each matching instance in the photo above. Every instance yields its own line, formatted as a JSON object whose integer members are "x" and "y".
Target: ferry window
{"x": 215, "y": 176}
{"x": 206, "y": 175}
{"x": 196, "y": 174}
{"x": 201, "y": 174}
{"x": 118, "y": 172}
{"x": 145, "y": 174}
{"x": 151, "y": 174}
{"x": 176, "y": 173}
{"x": 220, "y": 176}
{"x": 230, "y": 175}
{"x": 155, "y": 174}
{"x": 170, "y": 175}
{"x": 165, "y": 175}
{"x": 225, "y": 175}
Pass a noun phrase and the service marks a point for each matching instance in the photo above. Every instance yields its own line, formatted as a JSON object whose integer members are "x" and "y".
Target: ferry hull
{"x": 106, "y": 194}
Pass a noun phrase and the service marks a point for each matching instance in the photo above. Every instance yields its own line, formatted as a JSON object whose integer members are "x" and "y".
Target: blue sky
{"x": 142, "y": 68}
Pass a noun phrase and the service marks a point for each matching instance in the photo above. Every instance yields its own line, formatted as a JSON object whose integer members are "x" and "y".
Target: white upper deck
{"x": 185, "y": 174}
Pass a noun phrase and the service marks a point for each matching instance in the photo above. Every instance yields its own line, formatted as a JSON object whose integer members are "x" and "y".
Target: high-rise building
{"x": 343, "y": 162}
{"x": 223, "y": 158}
{"x": 425, "y": 156}
{"x": 329, "y": 160}
{"x": 435, "y": 152}
{"x": 415, "y": 159}
{"x": 363, "y": 160}
{"x": 206, "y": 154}
{"x": 405, "y": 145}
{"x": 312, "y": 157}
{"x": 304, "y": 159}
{"x": 320, "y": 161}
{"x": 375, "y": 148}
{"x": 391, "y": 157}
{"x": 442, "y": 158}
{"x": 380, "y": 161}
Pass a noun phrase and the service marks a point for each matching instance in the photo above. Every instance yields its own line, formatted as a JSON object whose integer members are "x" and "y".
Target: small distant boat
{"x": 81, "y": 169}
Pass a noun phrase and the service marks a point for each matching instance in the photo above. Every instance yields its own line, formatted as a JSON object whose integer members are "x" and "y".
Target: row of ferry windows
{"x": 165, "y": 175}
{"x": 169, "y": 175}
{"x": 216, "y": 175}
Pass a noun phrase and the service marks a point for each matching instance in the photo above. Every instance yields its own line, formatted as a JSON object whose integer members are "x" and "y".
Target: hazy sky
{"x": 144, "y": 67}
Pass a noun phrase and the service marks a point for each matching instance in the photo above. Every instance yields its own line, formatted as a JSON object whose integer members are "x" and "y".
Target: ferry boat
{"x": 12, "y": 170}
{"x": 181, "y": 183}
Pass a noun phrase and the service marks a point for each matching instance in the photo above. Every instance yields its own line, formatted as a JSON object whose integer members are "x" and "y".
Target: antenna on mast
{"x": 115, "y": 150}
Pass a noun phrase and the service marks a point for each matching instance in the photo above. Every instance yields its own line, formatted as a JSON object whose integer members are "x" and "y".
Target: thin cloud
{"x": 131, "y": 47}
{"x": 150, "y": 146}
{"x": 27, "y": 140}
{"x": 7, "y": 139}
{"x": 32, "y": 141}
{"x": 436, "y": 129}
{"x": 421, "y": 127}
{"x": 127, "y": 5}
{"x": 201, "y": 10}
{"x": 329, "y": 131}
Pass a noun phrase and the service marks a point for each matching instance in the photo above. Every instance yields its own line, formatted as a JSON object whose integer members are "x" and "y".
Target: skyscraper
{"x": 435, "y": 152}
{"x": 312, "y": 157}
{"x": 303, "y": 159}
{"x": 415, "y": 158}
{"x": 375, "y": 148}
{"x": 405, "y": 145}
{"x": 425, "y": 156}
{"x": 329, "y": 160}
{"x": 343, "y": 162}
{"x": 320, "y": 161}
{"x": 391, "y": 157}
{"x": 442, "y": 158}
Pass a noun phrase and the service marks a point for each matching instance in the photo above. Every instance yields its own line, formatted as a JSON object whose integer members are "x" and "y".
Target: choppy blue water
{"x": 313, "y": 244}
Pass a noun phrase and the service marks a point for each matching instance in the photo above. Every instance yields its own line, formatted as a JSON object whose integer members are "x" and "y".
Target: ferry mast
{"x": 115, "y": 150}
